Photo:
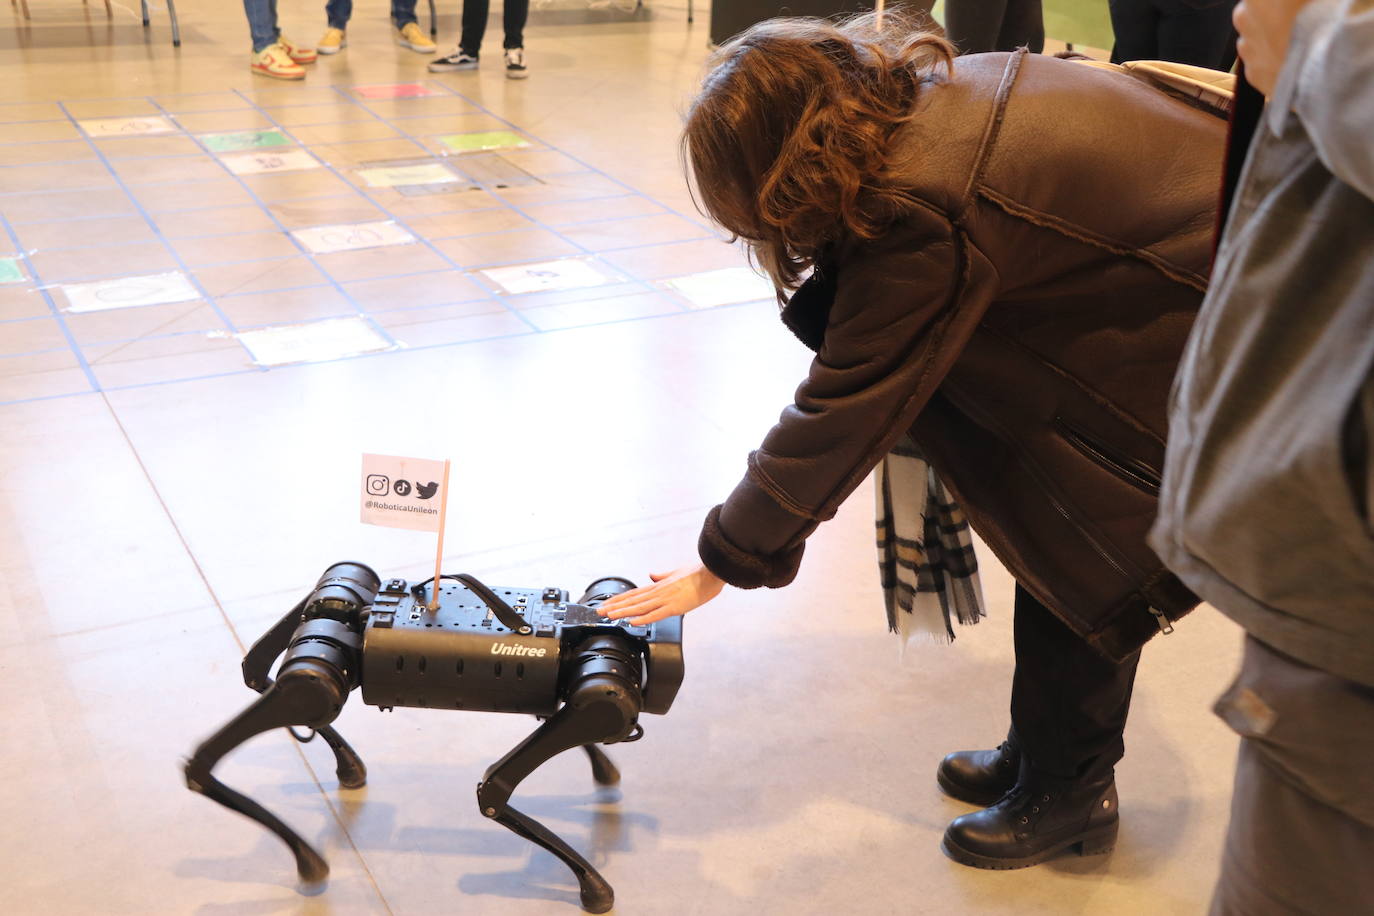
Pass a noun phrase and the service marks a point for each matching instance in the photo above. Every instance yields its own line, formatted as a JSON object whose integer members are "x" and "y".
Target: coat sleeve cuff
{"x": 741, "y": 569}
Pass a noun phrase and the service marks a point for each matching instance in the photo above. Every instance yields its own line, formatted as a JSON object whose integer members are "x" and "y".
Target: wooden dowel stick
{"x": 439, "y": 553}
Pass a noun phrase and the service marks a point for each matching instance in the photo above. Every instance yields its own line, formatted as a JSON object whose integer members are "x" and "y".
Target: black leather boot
{"x": 1039, "y": 818}
{"x": 981, "y": 777}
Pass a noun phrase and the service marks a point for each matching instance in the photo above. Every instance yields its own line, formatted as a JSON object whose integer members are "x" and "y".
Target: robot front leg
{"x": 603, "y": 705}
{"x": 348, "y": 766}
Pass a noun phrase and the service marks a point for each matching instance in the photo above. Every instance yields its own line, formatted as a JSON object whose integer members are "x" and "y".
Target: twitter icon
{"x": 426, "y": 490}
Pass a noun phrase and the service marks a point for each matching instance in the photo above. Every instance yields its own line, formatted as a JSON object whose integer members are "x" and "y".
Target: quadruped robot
{"x": 508, "y": 650}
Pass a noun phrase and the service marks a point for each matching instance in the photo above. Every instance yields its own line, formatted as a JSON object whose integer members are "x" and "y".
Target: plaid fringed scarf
{"x": 925, "y": 551}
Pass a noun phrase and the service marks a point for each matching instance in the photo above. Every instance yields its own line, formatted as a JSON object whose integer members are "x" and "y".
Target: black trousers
{"x": 515, "y": 14}
{"x": 1174, "y": 30}
{"x": 976, "y": 26}
{"x": 1068, "y": 702}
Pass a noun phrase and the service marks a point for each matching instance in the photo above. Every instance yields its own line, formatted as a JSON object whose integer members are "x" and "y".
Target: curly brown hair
{"x": 788, "y": 139}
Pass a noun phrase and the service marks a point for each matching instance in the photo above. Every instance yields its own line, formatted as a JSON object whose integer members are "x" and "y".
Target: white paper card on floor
{"x": 127, "y": 127}
{"x": 391, "y": 176}
{"x": 256, "y": 163}
{"x": 129, "y": 292}
{"x": 544, "y": 276}
{"x": 727, "y": 286}
{"x": 402, "y": 492}
{"x": 352, "y": 236}
{"x": 313, "y": 342}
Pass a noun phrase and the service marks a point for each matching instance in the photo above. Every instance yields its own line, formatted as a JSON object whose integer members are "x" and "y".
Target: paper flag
{"x": 402, "y": 492}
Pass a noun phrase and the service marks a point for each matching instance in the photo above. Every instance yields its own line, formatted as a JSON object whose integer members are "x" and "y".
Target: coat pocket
{"x": 1127, "y": 468}
{"x": 1355, "y": 450}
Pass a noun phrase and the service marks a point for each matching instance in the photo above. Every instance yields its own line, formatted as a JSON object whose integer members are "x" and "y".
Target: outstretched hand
{"x": 672, "y": 594}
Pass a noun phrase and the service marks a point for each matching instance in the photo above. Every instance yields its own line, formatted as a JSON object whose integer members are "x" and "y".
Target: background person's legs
{"x": 338, "y": 12}
{"x": 262, "y": 22}
{"x": 402, "y": 13}
{"x": 973, "y": 25}
{"x": 1068, "y": 702}
{"x": 1136, "y": 26}
{"x": 515, "y": 14}
{"x": 1023, "y": 25}
{"x": 474, "y": 25}
{"x": 1201, "y": 37}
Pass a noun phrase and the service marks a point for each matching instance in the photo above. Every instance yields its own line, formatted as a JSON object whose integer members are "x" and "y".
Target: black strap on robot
{"x": 503, "y": 612}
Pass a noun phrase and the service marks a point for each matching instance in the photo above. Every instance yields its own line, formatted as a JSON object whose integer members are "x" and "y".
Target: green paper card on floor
{"x": 483, "y": 140}
{"x": 10, "y": 271}
{"x": 243, "y": 139}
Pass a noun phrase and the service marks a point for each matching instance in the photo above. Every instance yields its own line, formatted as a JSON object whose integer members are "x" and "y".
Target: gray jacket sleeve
{"x": 1328, "y": 82}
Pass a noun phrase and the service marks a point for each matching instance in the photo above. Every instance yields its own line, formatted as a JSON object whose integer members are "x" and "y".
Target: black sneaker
{"x": 458, "y": 60}
{"x": 515, "y": 64}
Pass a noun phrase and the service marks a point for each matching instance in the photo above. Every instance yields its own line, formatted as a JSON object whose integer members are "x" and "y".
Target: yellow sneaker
{"x": 413, "y": 37}
{"x": 299, "y": 54}
{"x": 333, "y": 41}
{"x": 275, "y": 61}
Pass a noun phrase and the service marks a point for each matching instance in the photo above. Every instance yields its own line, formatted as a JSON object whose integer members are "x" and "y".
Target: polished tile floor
{"x": 217, "y": 291}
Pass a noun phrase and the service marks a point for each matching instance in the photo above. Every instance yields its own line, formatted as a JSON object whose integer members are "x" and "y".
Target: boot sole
{"x": 1098, "y": 841}
{"x": 963, "y": 793}
{"x": 418, "y": 49}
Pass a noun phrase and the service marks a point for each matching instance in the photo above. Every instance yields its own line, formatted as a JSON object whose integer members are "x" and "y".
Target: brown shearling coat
{"x": 1024, "y": 321}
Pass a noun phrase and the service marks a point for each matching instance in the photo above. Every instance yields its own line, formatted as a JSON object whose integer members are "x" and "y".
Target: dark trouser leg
{"x": 1068, "y": 702}
{"x": 973, "y": 25}
{"x": 1201, "y": 37}
{"x": 1022, "y": 26}
{"x": 474, "y": 25}
{"x": 1301, "y": 837}
{"x": 262, "y": 22}
{"x": 402, "y": 13}
{"x": 338, "y": 12}
{"x": 516, "y": 13}
{"x": 1136, "y": 26}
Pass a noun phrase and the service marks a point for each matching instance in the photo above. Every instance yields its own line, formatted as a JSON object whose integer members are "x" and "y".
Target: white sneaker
{"x": 515, "y": 64}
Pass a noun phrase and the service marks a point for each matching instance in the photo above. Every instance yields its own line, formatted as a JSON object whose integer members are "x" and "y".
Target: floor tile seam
{"x": 586, "y": 252}
{"x": 20, "y": 354}
{"x": 143, "y": 158}
{"x": 233, "y": 631}
{"x": 264, "y": 207}
{"x": 577, "y": 159}
{"x": 169, "y": 335}
{"x": 73, "y": 219}
{"x": 292, "y": 289}
{"x": 147, "y": 217}
{"x": 180, "y": 238}
{"x": 42, "y": 288}
{"x": 358, "y": 356}
{"x": 392, "y": 216}
{"x": 48, "y": 397}
{"x": 631, "y": 192}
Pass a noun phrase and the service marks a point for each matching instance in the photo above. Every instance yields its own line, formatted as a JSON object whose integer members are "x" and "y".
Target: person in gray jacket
{"x": 1267, "y": 509}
